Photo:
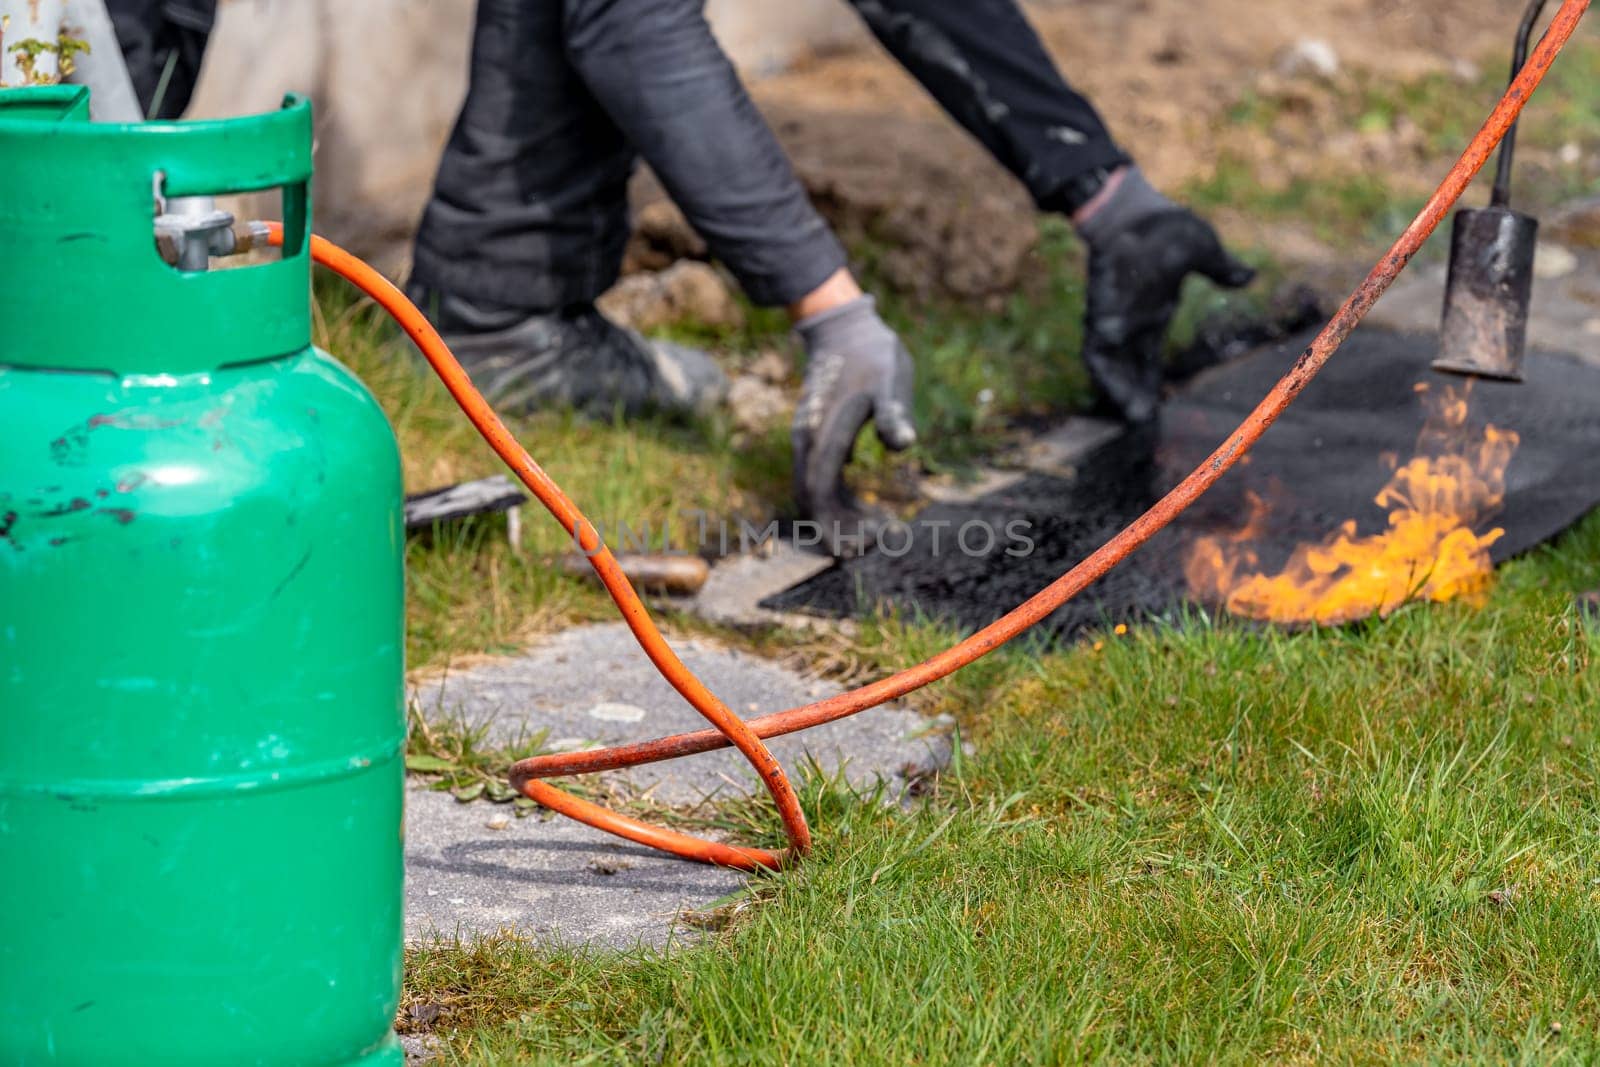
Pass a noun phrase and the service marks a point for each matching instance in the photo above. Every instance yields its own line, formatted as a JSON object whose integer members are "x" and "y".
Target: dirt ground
{"x": 882, "y": 161}
{"x": 1163, "y": 71}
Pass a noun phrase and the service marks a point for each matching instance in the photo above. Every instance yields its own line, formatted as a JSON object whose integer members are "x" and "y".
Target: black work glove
{"x": 858, "y": 370}
{"x": 1141, "y": 248}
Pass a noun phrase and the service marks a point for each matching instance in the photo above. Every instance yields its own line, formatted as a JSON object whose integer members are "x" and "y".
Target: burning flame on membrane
{"x": 1448, "y": 490}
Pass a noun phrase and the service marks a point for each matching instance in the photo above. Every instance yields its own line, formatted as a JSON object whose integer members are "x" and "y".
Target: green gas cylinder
{"x": 201, "y": 703}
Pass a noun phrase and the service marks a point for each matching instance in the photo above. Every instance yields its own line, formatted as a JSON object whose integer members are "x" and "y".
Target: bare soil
{"x": 883, "y": 162}
{"x": 1164, "y": 72}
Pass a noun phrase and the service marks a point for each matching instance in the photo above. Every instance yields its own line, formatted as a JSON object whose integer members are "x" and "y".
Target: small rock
{"x": 1555, "y": 1027}
{"x": 425, "y": 1014}
{"x": 498, "y": 822}
{"x": 1552, "y": 261}
{"x": 422, "y": 1048}
{"x": 1465, "y": 71}
{"x": 613, "y": 712}
{"x": 661, "y": 236}
{"x": 608, "y": 866}
{"x": 1309, "y": 56}
{"x": 698, "y": 293}
{"x": 637, "y": 301}
{"x": 1592, "y": 326}
{"x": 756, "y": 406}
{"x": 1571, "y": 153}
{"x": 771, "y": 367}
{"x": 686, "y": 291}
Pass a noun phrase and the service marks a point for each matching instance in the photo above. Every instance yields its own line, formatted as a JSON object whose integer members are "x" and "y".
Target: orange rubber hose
{"x": 747, "y": 736}
{"x": 731, "y": 727}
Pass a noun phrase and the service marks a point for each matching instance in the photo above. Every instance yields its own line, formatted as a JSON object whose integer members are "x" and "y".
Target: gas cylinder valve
{"x": 188, "y": 241}
{"x": 192, "y": 229}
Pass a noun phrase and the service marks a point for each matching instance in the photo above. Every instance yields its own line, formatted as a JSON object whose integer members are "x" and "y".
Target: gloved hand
{"x": 1141, "y": 248}
{"x": 858, "y": 369}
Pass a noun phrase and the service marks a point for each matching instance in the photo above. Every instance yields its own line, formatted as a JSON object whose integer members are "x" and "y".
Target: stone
{"x": 1311, "y": 56}
{"x": 771, "y": 367}
{"x": 637, "y": 301}
{"x": 1551, "y": 261}
{"x": 421, "y": 1048}
{"x": 686, "y": 291}
{"x": 661, "y": 234}
{"x": 756, "y": 406}
{"x": 696, "y": 292}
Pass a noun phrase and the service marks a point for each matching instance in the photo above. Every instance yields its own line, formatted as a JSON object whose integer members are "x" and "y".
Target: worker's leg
{"x": 985, "y": 65}
{"x": 526, "y": 228}
{"x": 655, "y": 68}
{"x": 530, "y": 206}
{"x": 163, "y": 42}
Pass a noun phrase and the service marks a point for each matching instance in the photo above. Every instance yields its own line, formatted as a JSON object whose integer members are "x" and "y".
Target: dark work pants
{"x": 163, "y": 42}
{"x": 530, "y": 205}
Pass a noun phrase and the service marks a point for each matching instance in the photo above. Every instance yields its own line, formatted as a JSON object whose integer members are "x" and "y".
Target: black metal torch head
{"x": 1486, "y": 299}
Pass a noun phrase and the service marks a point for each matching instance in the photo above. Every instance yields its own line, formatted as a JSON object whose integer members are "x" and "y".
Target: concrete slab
{"x": 474, "y": 869}
{"x": 542, "y": 877}
{"x": 733, "y": 593}
{"x": 592, "y": 686}
{"x": 942, "y": 489}
{"x": 1058, "y": 451}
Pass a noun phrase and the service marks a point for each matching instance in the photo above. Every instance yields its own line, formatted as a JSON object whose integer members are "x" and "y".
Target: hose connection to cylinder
{"x": 748, "y": 736}
{"x": 190, "y": 230}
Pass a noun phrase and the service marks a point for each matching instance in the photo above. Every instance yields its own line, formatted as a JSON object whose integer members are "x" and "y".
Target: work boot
{"x": 1141, "y": 248}
{"x": 574, "y": 357}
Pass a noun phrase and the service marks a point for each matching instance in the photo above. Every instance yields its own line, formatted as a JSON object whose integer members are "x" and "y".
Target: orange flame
{"x": 1436, "y": 500}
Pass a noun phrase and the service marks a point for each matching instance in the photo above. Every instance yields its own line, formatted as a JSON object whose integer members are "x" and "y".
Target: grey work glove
{"x": 857, "y": 370}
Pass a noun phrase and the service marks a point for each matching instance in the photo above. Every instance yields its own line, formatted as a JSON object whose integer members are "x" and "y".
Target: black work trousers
{"x": 163, "y": 42}
{"x": 530, "y": 204}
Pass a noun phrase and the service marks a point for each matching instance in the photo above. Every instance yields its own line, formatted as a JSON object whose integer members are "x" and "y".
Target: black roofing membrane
{"x": 1320, "y": 464}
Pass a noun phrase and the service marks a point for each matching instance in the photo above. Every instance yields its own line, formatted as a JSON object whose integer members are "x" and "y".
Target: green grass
{"x": 1202, "y": 843}
{"x": 1195, "y": 843}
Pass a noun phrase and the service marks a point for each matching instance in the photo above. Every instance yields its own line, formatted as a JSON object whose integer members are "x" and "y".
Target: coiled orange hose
{"x": 747, "y": 736}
